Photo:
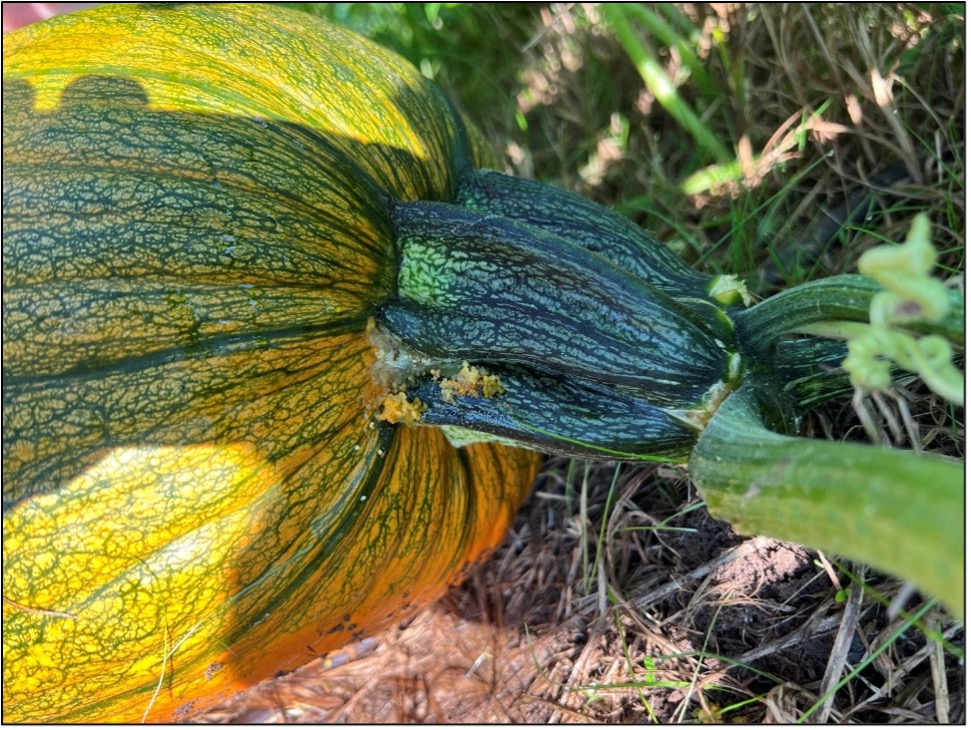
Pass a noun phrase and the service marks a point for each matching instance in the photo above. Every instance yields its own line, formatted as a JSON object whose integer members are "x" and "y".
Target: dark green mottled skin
{"x": 512, "y": 293}
{"x": 584, "y": 224}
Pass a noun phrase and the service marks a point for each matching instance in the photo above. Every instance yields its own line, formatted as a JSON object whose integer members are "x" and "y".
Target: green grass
{"x": 719, "y": 166}
{"x": 766, "y": 129}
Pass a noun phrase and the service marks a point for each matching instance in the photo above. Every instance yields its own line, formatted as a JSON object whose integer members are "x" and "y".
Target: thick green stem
{"x": 483, "y": 288}
{"x": 582, "y": 223}
{"x": 505, "y": 328}
{"x": 573, "y": 354}
{"x": 811, "y": 371}
{"x": 898, "y": 511}
{"x": 836, "y": 298}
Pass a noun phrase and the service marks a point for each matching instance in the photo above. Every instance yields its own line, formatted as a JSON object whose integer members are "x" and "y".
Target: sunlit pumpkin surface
{"x": 195, "y": 235}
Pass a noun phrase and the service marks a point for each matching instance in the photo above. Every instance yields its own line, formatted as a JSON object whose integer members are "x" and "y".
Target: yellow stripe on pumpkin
{"x": 195, "y": 236}
{"x": 256, "y": 61}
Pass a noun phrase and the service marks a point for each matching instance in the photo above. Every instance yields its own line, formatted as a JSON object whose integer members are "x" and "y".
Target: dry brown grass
{"x": 616, "y": 598}
{"x": 676, "y": 618}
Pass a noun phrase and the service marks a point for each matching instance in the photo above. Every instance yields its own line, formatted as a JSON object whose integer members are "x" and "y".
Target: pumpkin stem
{"x": 481, "y": 287}
{"x": 572, "y": 354}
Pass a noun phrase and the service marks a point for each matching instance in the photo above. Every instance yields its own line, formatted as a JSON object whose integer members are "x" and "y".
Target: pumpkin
{"x": 268, "y": 330}
{"x": 196, "y": 239}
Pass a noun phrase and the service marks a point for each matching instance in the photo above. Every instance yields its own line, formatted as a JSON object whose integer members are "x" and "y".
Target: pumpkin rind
{"x": 557, "y": 414}
{"x": 195, "y": 237}
{"x": 246, "y": 61}
{"x": 583, "y": 223}
{"x": 485, "y": 287}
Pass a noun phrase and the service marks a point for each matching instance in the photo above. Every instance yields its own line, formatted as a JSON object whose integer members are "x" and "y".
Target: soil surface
{"x": 676, "y": 618}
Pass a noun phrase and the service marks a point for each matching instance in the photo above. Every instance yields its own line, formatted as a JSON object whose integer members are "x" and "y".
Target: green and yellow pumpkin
{"x": 196, "y": 237}
{"x": 251, "y": 264}
{"x": 245, "y": 254}
{"x": 269, "y": 326}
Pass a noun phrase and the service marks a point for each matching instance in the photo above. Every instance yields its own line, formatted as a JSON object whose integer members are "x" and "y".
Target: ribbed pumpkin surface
{"x": 195, "y": 236}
